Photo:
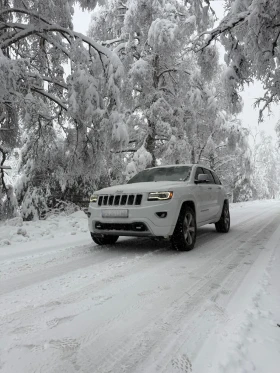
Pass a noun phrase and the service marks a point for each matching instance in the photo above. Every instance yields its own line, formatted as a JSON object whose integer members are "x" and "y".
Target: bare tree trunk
{"x": 151, "y": 138}
{"x": 212, "y": 161}
{"x": 4, "y": 155}
{"x": 193, "y": 155}
{"x": 150, "y": 142}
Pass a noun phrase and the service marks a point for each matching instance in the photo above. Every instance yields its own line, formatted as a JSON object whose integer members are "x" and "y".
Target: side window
{"x": 211, "y": 179}
{"x": 217, "y": 180}
{"x": 198, "y": 171}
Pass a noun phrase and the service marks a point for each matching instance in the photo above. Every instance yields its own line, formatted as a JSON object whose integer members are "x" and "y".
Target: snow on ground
{"x": 15, "y": 230}
{"x": 67, "y": 305}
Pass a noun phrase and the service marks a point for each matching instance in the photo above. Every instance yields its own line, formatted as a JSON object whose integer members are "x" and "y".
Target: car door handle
{"x": 209, "y": 188}
{"x": 219, "y": 187}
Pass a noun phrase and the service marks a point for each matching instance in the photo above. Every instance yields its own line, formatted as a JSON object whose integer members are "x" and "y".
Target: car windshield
{"x": 176, "y": 173}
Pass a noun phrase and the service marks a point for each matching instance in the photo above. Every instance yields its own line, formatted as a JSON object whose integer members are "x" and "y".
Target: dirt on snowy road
{"x": 67, "y": 305}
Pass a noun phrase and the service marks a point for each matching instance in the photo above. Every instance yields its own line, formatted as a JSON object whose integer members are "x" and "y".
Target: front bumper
{"x": 141, "y": 221}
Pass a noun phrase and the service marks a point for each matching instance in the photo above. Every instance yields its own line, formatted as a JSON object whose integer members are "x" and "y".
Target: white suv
{"x": 163, "y": 202}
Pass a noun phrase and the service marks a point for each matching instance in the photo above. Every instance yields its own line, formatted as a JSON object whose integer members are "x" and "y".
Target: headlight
{"x": 160, "y": 196}
{"x": 93, "y": 198}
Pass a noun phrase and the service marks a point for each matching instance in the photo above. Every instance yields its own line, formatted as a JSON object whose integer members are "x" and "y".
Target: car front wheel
{"x": 184, "y": 235}
{"x": 104, "y": 239}
{"x": 223, "y": 224}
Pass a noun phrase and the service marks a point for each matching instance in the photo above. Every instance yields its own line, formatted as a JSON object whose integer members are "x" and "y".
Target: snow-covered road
{"x": 67, "y": 305}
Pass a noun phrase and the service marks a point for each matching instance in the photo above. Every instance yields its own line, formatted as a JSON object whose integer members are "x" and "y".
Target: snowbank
{"x": 16, "y": 230}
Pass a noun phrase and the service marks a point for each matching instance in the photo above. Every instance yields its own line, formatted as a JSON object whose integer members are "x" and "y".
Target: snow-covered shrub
{"x": 59, "y": 207}
{"x": 34, "y": 204}
{"x": 142, "y": 159}
{"x": 8, "y": 204}
{"x": 243, "y": 191}
{"x": 120, "y": 137}
{"x": 130, "y": 171}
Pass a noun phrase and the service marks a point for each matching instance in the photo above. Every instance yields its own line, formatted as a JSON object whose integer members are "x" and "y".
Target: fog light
{"x": 161, "y": 214}
{"x": 139, "y": 227}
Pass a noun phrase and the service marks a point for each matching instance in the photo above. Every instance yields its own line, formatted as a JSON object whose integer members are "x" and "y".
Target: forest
{"x": 146, "y": 86}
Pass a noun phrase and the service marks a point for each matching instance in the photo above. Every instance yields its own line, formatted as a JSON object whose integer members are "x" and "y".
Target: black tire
{"x": 184, "y": 235}
{"x": 223, "y": 225}
{"x": 104, "y": 239}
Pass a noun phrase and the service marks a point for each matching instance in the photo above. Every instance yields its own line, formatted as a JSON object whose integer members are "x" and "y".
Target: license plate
{"x": 114, "y": 213}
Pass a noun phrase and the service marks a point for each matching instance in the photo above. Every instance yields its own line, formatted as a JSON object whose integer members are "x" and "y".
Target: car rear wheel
{"x": 223, "y": 224}
{"x": 184, "y": 235}
{"x": 104, "y": 239}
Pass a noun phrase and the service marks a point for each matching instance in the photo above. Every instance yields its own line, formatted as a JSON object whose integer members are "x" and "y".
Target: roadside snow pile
{"x": 16, "y": 230}
{"x": 249, "y": 204}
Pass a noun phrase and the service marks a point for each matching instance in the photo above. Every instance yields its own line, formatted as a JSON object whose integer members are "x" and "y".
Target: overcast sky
{"x": 249, "y": 115}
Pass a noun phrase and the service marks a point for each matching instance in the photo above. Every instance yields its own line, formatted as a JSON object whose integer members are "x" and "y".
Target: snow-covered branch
{"x": 50, "y": 80}
{"x": 112, "y": 41}
{"x": 124, "y": 151}
{"x": 25, "y": 11}
{"x": 268, "y": 100}
{"x": 166, "y": 71}
{"x": 227, "y": 24}
{"x": 31, "y": 29}
{"x": 56, "y": 100}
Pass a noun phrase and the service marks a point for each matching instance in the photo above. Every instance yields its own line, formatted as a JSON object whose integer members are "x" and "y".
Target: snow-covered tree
{"x": 93, "y": 110}
{"x": 250, "y": 34}
{"x": 170, "y": 98}
{"x": 265, "y": 164}
{"x": 61, "y": 86}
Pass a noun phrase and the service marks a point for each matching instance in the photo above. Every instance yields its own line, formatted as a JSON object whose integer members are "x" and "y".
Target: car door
{"x": 203, "y": 198}
{"x": 219, "y": 194}
{"x": 212, "y": 192}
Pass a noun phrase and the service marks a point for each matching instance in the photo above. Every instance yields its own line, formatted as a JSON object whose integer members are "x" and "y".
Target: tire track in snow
{"x": 84, "y": 292}
{"x": 163, "y": 300}
{"x": 95, "y": 257}
{"x": 193, "y": 331}
{"x": 38, "y": 261}
{"x": 163, "y": 325}
{"x": 179, "y": 313}
{"x": 55, "y": 266}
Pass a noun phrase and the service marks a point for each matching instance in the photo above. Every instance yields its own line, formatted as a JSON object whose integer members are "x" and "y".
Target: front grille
{"x": 134, "y": 227}
{"x": 120, "y": 200}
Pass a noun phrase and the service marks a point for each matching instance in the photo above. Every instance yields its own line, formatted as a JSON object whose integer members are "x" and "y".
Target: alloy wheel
{"x": 189, "y": 228}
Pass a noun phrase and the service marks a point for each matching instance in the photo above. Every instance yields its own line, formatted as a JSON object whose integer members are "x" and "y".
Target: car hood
{"x": 154, "y": 186}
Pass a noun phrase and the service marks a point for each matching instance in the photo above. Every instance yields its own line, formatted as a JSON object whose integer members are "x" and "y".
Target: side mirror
{"x": 202, "y": 178}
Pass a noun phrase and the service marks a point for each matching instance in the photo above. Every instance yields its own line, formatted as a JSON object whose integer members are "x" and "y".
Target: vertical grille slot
{"x": 138, "y": 199}
{"x": 100, "y": 199}
{"x": 105, "y": 200}
{"x": 111, "y": 199}
{"x": 130, "y": 199}
{"x": 124, "y": 200}
{"x": 117, "y": 200}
